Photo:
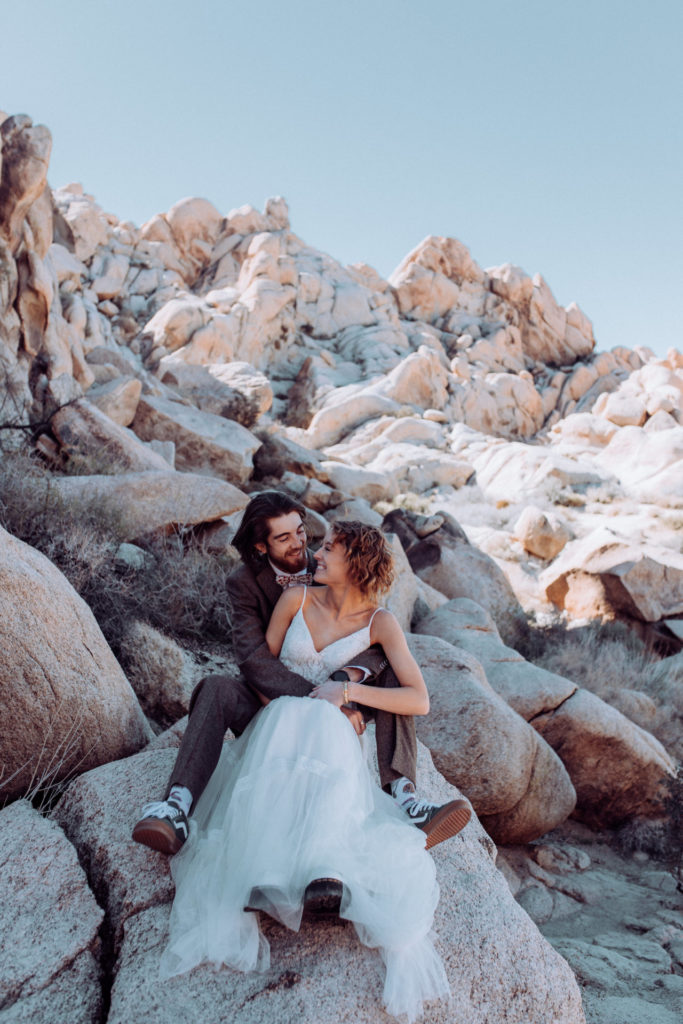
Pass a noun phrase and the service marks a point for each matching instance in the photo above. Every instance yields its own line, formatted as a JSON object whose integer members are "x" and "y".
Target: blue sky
{"x": 543, "y": 134}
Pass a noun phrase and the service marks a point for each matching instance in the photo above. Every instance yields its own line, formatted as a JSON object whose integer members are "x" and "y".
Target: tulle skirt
{"x": 292, "y": 800}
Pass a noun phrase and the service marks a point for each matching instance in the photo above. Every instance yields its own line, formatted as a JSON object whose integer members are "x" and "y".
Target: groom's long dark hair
{"x": 254, "y": 526}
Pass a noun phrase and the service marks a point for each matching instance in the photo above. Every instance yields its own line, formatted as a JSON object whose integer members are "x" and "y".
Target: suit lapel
{"x": 266, "y": 581}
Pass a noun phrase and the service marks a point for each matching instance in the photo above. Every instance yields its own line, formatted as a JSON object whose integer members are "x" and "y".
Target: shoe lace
{"x": 162, "y": 809}
{"x": 417, "y": 807}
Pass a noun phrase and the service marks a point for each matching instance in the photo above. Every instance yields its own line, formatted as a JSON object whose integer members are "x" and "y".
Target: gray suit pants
{"x": 223, "y": 702}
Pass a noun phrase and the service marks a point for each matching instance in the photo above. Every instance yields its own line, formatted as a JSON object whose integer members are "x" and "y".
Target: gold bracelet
{"x": 346, "y": 692}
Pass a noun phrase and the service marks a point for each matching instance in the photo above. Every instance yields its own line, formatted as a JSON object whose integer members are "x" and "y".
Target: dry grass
{"x": 52, "y": 767}
{"x": 661, "y": 839}
{"x": 180, "y": 589}
{"x": 611, "y": 662}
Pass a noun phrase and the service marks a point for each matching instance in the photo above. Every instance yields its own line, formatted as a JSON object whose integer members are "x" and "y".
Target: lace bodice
{"x": 299, "y": 654}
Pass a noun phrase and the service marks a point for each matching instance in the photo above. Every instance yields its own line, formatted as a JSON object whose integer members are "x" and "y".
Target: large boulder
{"x": 601, "y": 575}
{"x": 648, "y": 463}
{"x": 82, "y": 220}
{"x": 162, "y": 673}
{"x": 619, "y": 771}
{"x": 25, "y": 158}
{"x": 346, "y": 408}
{"x": 436, "y": 276}
{"x": 413, "y": 467}
{"x": 358, "y": 481}
{"x": 208, "y": 392}
{"x": 155, "y": 500}
{"x": 528, "y": 689}
{"x": 445, "y": 559}
{"x": 542, "y": 534}
{"x": 118, "y": 399}
{"x": 49, "y": 925}
{"x": 517, "y": 784}
{"x": 65, "y": 704}
{"x": 204, "y": 443}
{"x": 511, "y": 470}
{"x": 499, "y": 966}
{"x": 95, "y": 442}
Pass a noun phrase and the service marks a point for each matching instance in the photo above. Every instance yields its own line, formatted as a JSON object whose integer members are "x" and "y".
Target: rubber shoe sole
{"x": 450, "y": 820}
{"x": 158, "y": 835}
{"x": 322, "y": 899}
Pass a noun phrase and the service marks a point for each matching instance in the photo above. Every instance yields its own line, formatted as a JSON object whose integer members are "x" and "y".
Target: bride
{"x": 300, "y": 761}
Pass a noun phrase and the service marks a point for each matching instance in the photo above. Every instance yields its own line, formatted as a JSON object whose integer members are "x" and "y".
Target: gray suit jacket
{"x": 252, "y": 597}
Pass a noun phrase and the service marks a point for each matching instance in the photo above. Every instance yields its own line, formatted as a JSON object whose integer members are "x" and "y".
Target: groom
{"x": 271, "y": 540}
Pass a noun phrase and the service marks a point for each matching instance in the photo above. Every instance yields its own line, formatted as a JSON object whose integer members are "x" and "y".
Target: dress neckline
{"x": 339, "y": 638}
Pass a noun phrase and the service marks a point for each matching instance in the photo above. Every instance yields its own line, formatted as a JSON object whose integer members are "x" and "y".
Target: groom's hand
{"x": 356, "y": 719}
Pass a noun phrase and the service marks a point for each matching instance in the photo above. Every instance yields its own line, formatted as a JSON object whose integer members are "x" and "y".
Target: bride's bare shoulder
{"x": 384, "y": 626}
{"x": 291, "y": 598}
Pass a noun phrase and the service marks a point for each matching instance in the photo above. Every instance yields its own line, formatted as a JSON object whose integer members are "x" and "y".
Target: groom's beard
{"x": 291, "y": 561}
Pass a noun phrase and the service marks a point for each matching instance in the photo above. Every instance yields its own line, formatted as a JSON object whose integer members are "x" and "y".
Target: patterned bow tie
{"x": 294, "y": 579}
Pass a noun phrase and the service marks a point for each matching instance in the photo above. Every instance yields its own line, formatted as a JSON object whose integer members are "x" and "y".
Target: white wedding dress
{"x": 292, "y": 800}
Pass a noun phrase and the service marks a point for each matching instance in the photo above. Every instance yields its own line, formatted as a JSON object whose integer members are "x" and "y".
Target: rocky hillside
{"x": 159, "y": 375}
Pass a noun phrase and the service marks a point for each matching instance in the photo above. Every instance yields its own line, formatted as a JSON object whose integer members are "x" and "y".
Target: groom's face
{"x": 285, "y": 544}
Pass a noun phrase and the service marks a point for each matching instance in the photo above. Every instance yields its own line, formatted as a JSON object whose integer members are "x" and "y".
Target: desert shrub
{"x": 613, "y": 663}
{"x": 53, "y": 766}
{"x": 660, "y": 839}
{"x": 180, "y": 589}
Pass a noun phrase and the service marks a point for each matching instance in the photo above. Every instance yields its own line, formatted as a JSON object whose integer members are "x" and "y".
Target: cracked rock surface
{"x": 49, "y": 924}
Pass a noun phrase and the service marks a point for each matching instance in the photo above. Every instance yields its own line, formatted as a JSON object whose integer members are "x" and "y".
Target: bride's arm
{"x": 283, "y": 613}
{"x": 410, "y": 698}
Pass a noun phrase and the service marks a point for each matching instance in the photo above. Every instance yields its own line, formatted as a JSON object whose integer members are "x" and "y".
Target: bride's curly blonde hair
{"x": 369, "y": 561}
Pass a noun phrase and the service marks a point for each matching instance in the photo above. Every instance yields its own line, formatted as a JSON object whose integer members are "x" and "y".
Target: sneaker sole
{"x": 157, "y": 835}
{"x": 450, "y": 820}
{"x": 322, "y": 899}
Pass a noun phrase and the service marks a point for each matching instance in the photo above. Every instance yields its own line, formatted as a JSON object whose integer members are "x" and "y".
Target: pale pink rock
{"x": 601, "y": 575}
{"x": 517, "y": 785}
{"x": 204, "y": 443}
{"x": 624, "y": 409}
{"x": 109, "y": 280}
{"x": 341, "y": 413}
{"x": 160, "y": 499}
{"x": 584, "y": 429}
{"x": 194, "y": 224}
{"x": 25, "y": 157}
{"x": 660, "y": 420}
{"x": 648, "y": 464}
{"x": 429, "y": 280}
{"x": 67, "y": 705}
{"x": 416, "y": 468}
{"x": 358, "y": 481}
{"x": 49, "y": 924}
{"x": 540, "y": 533}
{"x": 499, "y": 965}
{"x": 85, "y": 220}
{"x": 619, "y": 770}
{"x": 118, "y": 399}
{"x": 175, "y": 323}
{"x": 86, "y": 434}
{"x": 65, "y": 264}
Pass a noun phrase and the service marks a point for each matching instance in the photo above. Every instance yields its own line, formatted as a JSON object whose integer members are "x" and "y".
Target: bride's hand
{"x": 356, "y": 719}
{"x": 331, "y": 691}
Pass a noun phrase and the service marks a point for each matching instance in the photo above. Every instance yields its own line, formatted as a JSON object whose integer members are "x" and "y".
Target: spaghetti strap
{"x": 372, "y": 617}
{"x": 303, "y": 599}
